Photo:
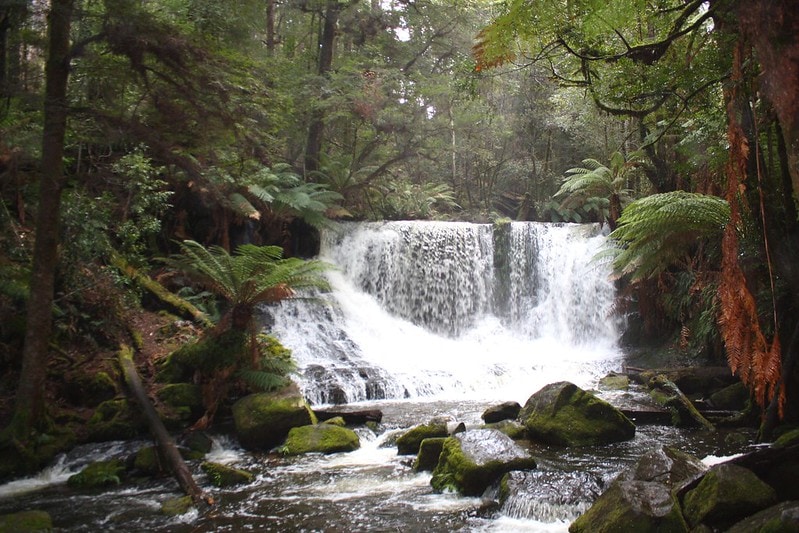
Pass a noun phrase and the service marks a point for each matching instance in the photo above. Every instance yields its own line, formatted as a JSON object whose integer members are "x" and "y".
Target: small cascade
{"x": 453, "y": 310}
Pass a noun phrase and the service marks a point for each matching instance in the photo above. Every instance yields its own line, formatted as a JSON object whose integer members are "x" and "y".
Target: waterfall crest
{"x": 445, "y": 309}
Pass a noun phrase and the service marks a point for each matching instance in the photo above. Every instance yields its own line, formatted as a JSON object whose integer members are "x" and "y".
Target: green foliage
{"x": 145, "y": 203}
{"x": 252, "y": 275}
{"x": 274, "y": 367}
{"x": 403, "y": 199}
{"x": 664, "y": 230}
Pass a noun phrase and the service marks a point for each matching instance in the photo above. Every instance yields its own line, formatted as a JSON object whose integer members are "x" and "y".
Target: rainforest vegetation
{"x": 142, "y": 143}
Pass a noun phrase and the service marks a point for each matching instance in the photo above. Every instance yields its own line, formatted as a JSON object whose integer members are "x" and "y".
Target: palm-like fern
{"x": 662, "y": 230}
{"x": 254, "y": 274}
{"x": 600, "y": 188}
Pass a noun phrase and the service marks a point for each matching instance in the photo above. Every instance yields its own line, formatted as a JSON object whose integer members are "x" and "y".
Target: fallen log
{"x": 351, "y": 417}
{"x": 165, "y": 443}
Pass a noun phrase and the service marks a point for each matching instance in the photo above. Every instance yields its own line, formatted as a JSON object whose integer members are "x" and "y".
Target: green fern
{"x": 662, "y": 230}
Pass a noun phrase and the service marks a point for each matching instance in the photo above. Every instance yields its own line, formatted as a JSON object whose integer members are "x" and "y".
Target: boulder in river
{"x": 503, "y": 411}
{"x": 727, "y": 494}
{"x": 473, "y": 460}
{"x": 263, "y": 420}
{"x": 408, "y": 443}
{"x": 26, "y": 522}
{"x": 564, "y": 414}
{"x": 320, "y": 438}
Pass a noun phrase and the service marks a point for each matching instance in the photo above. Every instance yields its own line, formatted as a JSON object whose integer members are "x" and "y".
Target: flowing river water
{"x": 425, "y": 320}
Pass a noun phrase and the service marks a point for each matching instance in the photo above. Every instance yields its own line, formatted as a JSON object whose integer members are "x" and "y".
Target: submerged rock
{"x": 564, "y": 414}
{"x": 408, "y": 443}
{"x": 320, "y": 438}
{"x": 263, "y": 420}
{"x": 176, "y": 506}
{"x": 726, "y": 494}
{"x": 473, "y": 460}
{"x": 98, "y": 474}
{"x": 225, "y": 476}
{"x": 26, "y": 522}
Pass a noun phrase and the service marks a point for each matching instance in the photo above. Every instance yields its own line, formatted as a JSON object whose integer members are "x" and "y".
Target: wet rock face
{"x": 503, "y": 411}
{"x": 564, "y": 414}
{"x": 263, "y": 421}
{"x": 409, "y": 442}
{"x": 725, "y": 495}
{"x": 550, "y": 494}
{"x": 667, "y": 466}
{"x": 473, "y": 460}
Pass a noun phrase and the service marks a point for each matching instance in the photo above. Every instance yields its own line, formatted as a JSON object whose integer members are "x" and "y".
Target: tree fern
{"x": 662, "y": 230}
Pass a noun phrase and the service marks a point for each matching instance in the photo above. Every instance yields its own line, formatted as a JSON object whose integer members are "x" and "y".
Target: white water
{"x": 429, "y": 310}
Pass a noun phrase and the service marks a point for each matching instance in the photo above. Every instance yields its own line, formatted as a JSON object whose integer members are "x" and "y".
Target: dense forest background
{"x": 129, "y": 126}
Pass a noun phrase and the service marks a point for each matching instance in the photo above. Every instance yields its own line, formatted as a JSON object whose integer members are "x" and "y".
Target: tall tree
{"x": 29, "y": 411}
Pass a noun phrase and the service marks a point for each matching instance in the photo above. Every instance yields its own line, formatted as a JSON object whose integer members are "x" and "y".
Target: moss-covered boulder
{"x": 263, "y": 420}
{"x": 336, "y": 421}
{"x": 473, "y": 460}
{"x": 320, "y": 438}
{"x": 116, "y": 419}
{"x": 90, "y": 389}
{"x": 503, "y": 411}
{"x": 429, "y": 452}
{"x": 641, "y": 498}
{"x": 98, "y": 474}
{"x": 176, "y": 506}
{"x": 614, "y": 381}
{"x": 207, "y": 355}
{"x": 726, "y": 494}
{"x": 734, "y": 397}
{"x": 148, "y": 461}
{"x": 780, "y": 518}
{"x": 197, "y": 442}
{"x": 667, "y": 466}
{"x": 632, "y": 506}
{"x": 564, "y": 414}
{"x": 178, "y": 395}
{"x": 408, "y": 443}
{"x": 226, "y": 476}
{"x": 511, "y": 428}
{"x": 26, "y": 522}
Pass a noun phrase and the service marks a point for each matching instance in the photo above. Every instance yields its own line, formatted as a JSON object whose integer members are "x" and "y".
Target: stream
{"x": 426, "y": 320}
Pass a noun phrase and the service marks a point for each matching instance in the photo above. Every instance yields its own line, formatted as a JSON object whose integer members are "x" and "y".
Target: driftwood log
{"x": 166, "y": 445}
{"x": 351, "y": 417}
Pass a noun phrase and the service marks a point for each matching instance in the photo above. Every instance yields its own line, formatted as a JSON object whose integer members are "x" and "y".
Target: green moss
{"x": 176, "y": 506}
{"x": 181, "y": 395}
{"x": 429, "y": 452}
{"x": 787, "y": 438}
{"x": 225, "y": 476}
{"x": 408, "y": 443}
{"x": 98, "y": 474}
{"x": 263, "y": 420}
{"x": 725, "y": 494}
{"x": 114, "y": 420}
{"x": 26, "y": 522}
{"x": 148, "y": 461}
{"x": 320, "y": 438}
{"x": 336, "y": 421}
{"x": 207, "y": 355}
{"x": 511, "y": 428}
{"x": 456, "y": 471}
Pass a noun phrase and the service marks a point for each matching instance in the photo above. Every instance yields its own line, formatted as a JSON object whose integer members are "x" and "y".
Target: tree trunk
{"x": 29, "y": 406}
{"x": 166, "y": 445}
{"x": 313, "y": 147}
{"x": 270, "y": 26}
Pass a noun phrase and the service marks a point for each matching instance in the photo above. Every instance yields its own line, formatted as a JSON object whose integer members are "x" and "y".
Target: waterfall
{"x": 451, "y": 310}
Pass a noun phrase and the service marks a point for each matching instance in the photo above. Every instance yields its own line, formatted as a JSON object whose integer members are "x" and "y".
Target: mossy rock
{"x": 320, "y": 438}
{"x": 26, "y": 522}
{"x": 207, "y": 355}
{"x": 500, "y": 412}
{"x": 726, "y": 494}
{"x": 632, "y": 506}
{"x": 181, "y": 395}
{"x": 780, "y": 518}
{"x": 614, "y": 382}
{"x": 336, "y": 421}
{"x": 429, "y": 452}
{"x": 734, "y": 397}
{"x": 91, "y": 389}
{"x": 176, "y": 506}
{"x": 473, "y": 460}
{"x": 226, "y": 476}
{"x": 789, "y": 437}
{"x": 511, "y": 428}
{"x": 564, "y": 414}
{"x": 263, "y": 420}
{"x": 98, "y": 474}
{"x": 408, "y": 443}
{"x": 115, "y": 420}
{"x": 197, "y": 442}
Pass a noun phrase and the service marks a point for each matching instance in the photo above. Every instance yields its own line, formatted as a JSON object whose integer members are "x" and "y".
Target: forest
{"x": 184, "y": 154}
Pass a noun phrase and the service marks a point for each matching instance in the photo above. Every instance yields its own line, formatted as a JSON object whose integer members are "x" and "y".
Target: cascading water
{"x": 451, "y": 310}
